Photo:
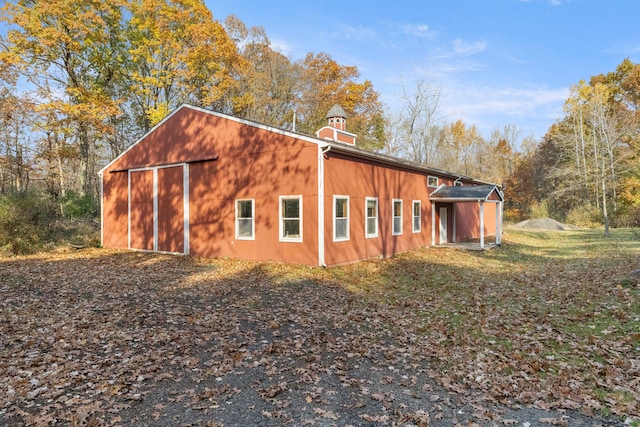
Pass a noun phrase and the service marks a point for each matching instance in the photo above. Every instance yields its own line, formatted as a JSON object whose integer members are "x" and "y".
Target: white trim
{"x": 253, "y": 220}
{"x": 433, "y": 223}
{"x": 499, "y": 224}
{"x": 413, "y": 216}
{"x": 186, "y": 227}
{"x": 393, "y": 217}
{"x": 129, "y": 209}
{"x": 280, "y": 219}
{"x": 429, "y": 178}
{"x": 101, "y": 209}
{"x": 454, "y": 219}
{"x": 155, "y": 209}
{"x": 335, "y": 237}
{"x": 445, "y": 223}
{"x": 321, "y": 260}
{"x": 367, "y": 217}
{"x": 220, "y": 115}
{"x": 481, "y": 224}
{"x": 185, "y": 214}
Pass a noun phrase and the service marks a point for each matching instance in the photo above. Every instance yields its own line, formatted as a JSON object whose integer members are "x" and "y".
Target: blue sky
{"x": 496, "y": 62}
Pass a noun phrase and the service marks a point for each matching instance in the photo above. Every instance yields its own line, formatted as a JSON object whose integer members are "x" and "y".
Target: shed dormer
{"x": 336, "y": 130}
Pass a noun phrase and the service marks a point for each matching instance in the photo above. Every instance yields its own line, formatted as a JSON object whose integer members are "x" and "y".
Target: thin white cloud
{"x": 420, "y": 30}
{"x": 510, "y": 101}
{"x": 464, "y": 48}
{"x": 487, "y": 107}
{"x": 460, "y": 48}
{"x": 282, "y": 46}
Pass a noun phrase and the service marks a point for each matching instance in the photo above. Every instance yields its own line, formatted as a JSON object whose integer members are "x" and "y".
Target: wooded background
{"x": 80, "y": 80}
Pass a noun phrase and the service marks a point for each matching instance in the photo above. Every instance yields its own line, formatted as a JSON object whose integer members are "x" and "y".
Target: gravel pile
{"x": 543, "y": 224}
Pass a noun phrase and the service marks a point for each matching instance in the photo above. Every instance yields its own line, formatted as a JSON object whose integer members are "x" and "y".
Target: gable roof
{"x": 347, "y": 149}
{"x": 469, "y": 193}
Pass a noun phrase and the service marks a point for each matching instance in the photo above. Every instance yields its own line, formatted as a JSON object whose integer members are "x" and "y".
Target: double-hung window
{"x": 397, "y": 217}
{"x": 245, "y": 224}
{"x": 290, "y": 218}
{"x": 340, "y": 218}
{"x": 371, "y": 217}
{"x": 417, "y": 216}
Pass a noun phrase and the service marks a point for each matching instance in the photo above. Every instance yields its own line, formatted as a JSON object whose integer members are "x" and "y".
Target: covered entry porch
{"x": 458, "y": 213}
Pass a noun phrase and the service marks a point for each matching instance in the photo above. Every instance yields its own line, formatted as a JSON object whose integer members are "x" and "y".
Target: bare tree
{"x": 415, "y": 130}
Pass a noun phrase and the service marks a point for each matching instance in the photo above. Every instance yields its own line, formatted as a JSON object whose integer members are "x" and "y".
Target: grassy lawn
{"x": 550, "y": 319}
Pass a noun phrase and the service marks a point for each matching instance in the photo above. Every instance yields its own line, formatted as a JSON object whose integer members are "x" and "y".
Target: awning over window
{"x": 466, "y": 193}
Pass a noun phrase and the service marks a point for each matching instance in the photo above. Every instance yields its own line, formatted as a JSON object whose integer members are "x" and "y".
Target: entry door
{"x": 443, "y": 225}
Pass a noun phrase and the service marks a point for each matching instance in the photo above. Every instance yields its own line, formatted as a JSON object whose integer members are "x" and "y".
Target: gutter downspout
{"x": 321, "y": 152}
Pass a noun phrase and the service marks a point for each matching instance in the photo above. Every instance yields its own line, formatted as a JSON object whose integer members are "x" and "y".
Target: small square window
{"x": 432, "y": 181}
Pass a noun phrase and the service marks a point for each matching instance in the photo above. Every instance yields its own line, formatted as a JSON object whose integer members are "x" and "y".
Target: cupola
{"x": 336, "y": 129}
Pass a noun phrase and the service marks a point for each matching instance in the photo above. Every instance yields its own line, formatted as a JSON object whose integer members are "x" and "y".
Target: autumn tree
{"x": 323, "y": 82}
{"x": 266, "y": 92}
{"x": 68, "y": 50}
{"x": 177, "y": 53}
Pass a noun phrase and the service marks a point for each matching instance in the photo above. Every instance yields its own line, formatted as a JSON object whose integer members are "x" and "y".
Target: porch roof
{"x": 467, "y": 193}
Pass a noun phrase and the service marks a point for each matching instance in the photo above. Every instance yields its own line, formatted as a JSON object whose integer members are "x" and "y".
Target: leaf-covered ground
{"x": 544, "y": 330}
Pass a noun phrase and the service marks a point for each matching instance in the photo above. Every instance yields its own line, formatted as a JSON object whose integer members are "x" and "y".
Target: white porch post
{"x": 433, "y": 224}
{"x": 499, "y": 223}
{"x": 481, "y": 224}
{"x": 453, "y": 215}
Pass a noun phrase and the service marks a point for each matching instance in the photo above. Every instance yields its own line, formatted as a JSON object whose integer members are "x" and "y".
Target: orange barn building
{"x": 213, "y": 185}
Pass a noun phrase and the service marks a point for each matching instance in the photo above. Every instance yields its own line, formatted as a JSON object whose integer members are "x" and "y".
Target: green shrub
{"x": 26, "y": 221}
{"x": 584, "y": 216}
{"x": 74, "y": 205}
{"x": 628, "y": 216}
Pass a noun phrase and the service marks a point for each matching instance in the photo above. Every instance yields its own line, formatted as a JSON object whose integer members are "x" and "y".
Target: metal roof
{"x": 465, "y": 193}
{"x": 336, "y": 111}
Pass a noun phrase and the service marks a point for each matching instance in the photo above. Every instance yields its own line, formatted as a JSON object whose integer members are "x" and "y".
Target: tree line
{"x": 586, "y": 168}
{"x": 80, "y": 80}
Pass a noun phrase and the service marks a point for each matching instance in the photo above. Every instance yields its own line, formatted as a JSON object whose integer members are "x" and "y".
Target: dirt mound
{"x": 543, "y": 224}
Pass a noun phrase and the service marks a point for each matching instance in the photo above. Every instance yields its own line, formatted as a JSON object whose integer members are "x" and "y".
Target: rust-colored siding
{"x": 226, "y": 160}
{"x": 115, "y": 210}
{"x": 141, "y": 210}
{"x": 359, "y": 180}
{"x": 468, "y": 220}
{"x": 170, "y": 184}
{"x": 176, "y": 191}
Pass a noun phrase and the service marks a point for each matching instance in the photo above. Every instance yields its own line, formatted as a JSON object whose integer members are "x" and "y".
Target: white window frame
{"x": 367, "y": 217}
{"x": 337, "y": 238}
{"x": 253, "y": 220}
{"x": 281, "y": 219}
{"x": 414, "y": 216}
{"x": 393, "y": 217}
{"x": 431, "y": 178}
